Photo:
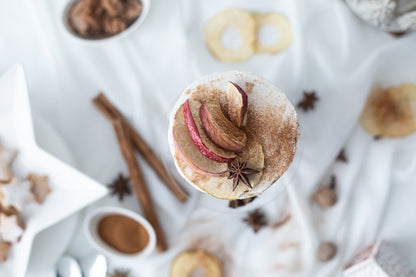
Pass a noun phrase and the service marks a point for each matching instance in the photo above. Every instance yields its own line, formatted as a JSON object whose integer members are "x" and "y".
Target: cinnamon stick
{"x": 138, "y": 183}
{"x": 111, "y": 112}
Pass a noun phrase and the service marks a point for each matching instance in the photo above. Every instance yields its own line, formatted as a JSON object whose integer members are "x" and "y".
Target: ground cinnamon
{"x": 123, "y": 233}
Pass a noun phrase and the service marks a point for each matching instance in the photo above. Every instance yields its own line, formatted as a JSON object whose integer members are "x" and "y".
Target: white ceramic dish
{"x": 43, "y": 258}
{"x": 71, "y": 190}
{"x": 65, "y": 28}
{"x": 92, "y": 220}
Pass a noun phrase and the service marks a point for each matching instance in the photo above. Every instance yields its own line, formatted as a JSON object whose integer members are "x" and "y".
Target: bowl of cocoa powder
{"x": 119, "y": 233}
{"x": 96, "y": 21}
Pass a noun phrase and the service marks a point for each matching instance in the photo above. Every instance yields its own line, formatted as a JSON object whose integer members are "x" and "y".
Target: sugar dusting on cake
{"x": 271, "y": 117}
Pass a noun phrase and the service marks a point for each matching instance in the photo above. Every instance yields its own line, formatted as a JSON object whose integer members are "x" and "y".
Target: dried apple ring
{"x": 282, "y": 26}
{"x": 189, "y": 261}
{"x": 236, "y": 19}
{"x": 390, "y": 112}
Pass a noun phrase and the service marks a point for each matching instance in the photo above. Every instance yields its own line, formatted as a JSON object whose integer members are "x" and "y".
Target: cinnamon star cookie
{"x": 16, "y": 194}
{"x": 4, "y": 249}
{"x": 10, "y": 228}
{"x": 40, "y": 187}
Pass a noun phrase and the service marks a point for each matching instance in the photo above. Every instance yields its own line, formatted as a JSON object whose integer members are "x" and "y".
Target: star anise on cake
{"x": 238, "y": 172}
{"x": 256, "y": 220}
{"x": 120, "y": 187}
{"x": 308, "y": 101}
{"x": 119, "y": 273}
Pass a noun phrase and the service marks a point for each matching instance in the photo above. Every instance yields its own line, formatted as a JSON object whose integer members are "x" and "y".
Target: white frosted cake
{"x": 233, "y": 134}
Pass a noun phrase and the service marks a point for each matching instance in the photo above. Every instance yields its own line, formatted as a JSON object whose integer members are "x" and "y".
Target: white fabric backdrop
{"x": 333, "y": 53}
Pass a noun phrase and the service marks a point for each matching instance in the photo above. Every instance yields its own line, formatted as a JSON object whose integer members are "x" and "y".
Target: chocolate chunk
{"x": 133, "y": 9}
{"x": 113, "y": 25}
{"x": 112, "y": 7}
{"x": 103, "y": 18}
{"x": 82, "y": 21}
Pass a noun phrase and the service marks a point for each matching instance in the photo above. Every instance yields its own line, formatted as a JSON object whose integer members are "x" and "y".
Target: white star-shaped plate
{"x": 71, "y": 190}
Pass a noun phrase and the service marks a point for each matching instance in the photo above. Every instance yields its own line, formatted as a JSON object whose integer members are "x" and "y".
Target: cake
{"x": 230, "y": 120}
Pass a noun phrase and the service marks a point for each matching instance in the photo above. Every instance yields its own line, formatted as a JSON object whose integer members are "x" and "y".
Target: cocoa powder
{"x": 123, "y": 233}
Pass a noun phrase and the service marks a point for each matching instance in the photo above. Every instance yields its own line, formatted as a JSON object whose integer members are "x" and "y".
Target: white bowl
{"x": 91, "y": 230}
{"x": 66, "y": 28}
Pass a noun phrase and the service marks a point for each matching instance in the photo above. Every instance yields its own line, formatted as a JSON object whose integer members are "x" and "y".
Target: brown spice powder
{"x": 249, "y": 87}
{"x": 278, "y": 141}
{"x": 276, "y": 131}
{"x": 123, "y": 233}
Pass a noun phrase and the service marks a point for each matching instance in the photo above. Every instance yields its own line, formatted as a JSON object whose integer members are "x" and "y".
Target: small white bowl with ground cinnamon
{"x": 96, "y": 21}
{"x": 119, "y": 233}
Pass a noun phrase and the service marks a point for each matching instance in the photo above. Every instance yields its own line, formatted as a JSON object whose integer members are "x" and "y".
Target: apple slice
{"x": 200, "y": 138}
{"x": 188, "y": 151}
{"x": 222, "y": 187}
{"x": 219, "y": 129}
{"x": 237, "y": 104}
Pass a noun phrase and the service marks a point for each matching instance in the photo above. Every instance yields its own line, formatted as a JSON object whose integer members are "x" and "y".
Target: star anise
{"x": 240, "y": 202}
{"x": 120, "y": 273}
{"x": 239, "y": 172}
{"x": 256, "y": 220}
{"x": 308, "y": 101}
{"x": 342, "y": 157}
{"x": 120, "y": 187}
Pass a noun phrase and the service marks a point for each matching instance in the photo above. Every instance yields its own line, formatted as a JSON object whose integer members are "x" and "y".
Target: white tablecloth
{"x": 333, "y": 53}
